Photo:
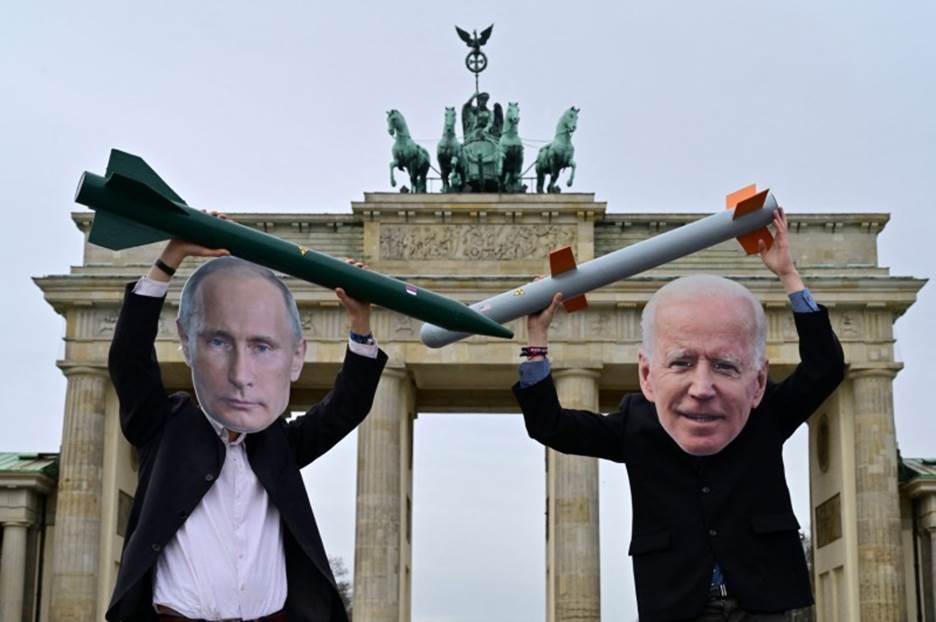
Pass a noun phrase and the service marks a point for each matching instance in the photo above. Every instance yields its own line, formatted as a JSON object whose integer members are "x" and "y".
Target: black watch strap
{"x": 162, "y": 265}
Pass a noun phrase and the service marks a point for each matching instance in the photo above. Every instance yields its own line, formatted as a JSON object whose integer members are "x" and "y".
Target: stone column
{"x": 573, "y": 588}
{"x": 880, "y": 567}
{"x": 380, "y": 550}
{"x": 926, "y": 580}
{"x": 13, "y": 571}
{"x": 930, "y": 600}
{"x": 78, "y": 510}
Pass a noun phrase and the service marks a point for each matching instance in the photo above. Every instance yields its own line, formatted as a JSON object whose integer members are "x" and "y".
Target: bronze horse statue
{"x": 450, "y": 155}
{"x": 557, "y": 155}
{"x": 510, "y": 152}
{"x": 407, "y": 155}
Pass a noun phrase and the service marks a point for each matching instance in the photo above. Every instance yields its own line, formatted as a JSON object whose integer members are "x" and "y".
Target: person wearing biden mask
{"x": 221, "y": 527}
{"x": 714, "y": 536}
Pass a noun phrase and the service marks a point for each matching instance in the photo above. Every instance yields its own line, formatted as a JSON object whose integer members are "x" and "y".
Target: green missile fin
{"x": 116, "y": 233}
{"x": 142, "y": 191}
{"x": 135, "y": 168}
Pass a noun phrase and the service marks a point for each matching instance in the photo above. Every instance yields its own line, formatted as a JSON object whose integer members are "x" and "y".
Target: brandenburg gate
{"x": 471, "y": 246}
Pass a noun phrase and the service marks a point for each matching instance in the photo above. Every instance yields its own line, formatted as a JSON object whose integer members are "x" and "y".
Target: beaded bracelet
{"x": 531, "y": 351}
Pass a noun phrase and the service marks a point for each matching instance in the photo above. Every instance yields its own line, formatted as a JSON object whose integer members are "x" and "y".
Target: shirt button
{"x": 712, "y": 532}
{"x": 706, "y": 490}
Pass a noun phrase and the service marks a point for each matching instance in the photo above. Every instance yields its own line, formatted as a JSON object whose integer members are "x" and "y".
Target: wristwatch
{"x": 367, "y": 340}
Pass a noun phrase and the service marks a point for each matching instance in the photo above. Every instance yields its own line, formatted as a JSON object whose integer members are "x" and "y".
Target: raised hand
{"x": 779, "y": 258}
{"x": 358, "y": 312}
{"x": 538, "y": 323}
{"x": 177, "y": 250}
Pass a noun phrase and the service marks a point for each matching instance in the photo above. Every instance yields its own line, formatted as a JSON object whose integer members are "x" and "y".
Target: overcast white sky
{"x": 280, "y": 107}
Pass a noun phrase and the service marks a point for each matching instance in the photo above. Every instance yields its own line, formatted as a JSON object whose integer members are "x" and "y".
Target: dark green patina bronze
{"x": 476, "y": 61}
{"x": 491, "y": 157}
{"x": 557, "y": 155}
{"x": 407, "y": 155}
{"x": 510, "y": 153}
{"x": 451, "y": 156}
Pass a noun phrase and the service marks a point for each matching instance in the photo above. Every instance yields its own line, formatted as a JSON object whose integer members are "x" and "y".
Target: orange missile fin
{"x": 750, "y": 241}
{"x": 750, "y": 204}
{"x": 561, "y": 260}
{"x": 739, "y": 195}
{"x": 575, "y": 304}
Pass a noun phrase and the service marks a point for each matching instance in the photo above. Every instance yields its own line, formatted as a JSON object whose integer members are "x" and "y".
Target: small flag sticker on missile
{"x": 411, "y": 290}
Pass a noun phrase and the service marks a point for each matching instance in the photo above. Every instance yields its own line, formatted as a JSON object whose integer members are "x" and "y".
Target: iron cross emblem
{"x": 476, "y": 61}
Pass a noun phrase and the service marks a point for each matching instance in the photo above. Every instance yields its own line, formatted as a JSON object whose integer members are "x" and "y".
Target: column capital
{"x": 926, "y": 510}
{"x": 16, "y": 523}
{"x": 83, "y": 368}
{"x": 399, "y": 371}
{"x": 873, "y": 370}
{"x": 592, "y": 371}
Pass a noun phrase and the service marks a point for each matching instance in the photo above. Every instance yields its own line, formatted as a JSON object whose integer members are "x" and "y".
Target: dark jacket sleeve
{"x": 578, "y": 432}
{"x": 345, "y": 406}
{"x": 820, "y": 371}
{"x": 134, "y": 370}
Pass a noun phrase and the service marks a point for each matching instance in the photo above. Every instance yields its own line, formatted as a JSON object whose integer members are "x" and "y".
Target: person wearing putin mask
{"x": 221, "y": 527}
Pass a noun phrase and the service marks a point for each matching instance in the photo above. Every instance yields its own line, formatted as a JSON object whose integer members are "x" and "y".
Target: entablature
{"x": 390, "y": 207}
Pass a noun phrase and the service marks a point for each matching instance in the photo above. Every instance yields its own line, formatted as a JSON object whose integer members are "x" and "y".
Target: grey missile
{"x": 747, "y": 221}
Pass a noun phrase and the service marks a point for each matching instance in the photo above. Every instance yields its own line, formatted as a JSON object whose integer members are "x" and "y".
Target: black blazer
{"x": 689, "y": 512}
{"x": 181, "y": 456}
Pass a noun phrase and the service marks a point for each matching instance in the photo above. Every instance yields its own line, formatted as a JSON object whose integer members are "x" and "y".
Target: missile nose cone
{"x": 500, "y": 331}
{"x": 475, "y": 322}
{"x": 434, "y": 337}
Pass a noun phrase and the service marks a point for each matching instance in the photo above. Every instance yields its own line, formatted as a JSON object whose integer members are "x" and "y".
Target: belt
{"x": 168, "y": 615}
{"x": 719, "y": 591}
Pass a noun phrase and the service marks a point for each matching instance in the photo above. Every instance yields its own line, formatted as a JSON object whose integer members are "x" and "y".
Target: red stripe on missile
{"x": 745, "y": 201}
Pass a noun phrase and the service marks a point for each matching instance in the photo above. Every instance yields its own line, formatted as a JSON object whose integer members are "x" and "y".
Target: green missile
{"x": 134, "y": 206}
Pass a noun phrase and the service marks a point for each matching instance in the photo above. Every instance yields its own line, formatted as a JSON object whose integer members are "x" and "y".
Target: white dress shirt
{"x": 227, "y": 559}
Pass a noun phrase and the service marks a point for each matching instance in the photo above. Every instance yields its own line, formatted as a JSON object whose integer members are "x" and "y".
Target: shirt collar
{"x": 222, "y": 432}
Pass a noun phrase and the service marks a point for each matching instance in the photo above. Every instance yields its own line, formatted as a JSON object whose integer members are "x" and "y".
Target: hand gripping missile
{"x": 747, "y": 218}
{"x": 134, "y": 206}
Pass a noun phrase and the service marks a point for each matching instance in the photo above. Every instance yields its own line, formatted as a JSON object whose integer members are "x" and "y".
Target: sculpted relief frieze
{"x": 476, "y": 242}
{"x": 107, "y": 321}
{"x": 101, "y": 324}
